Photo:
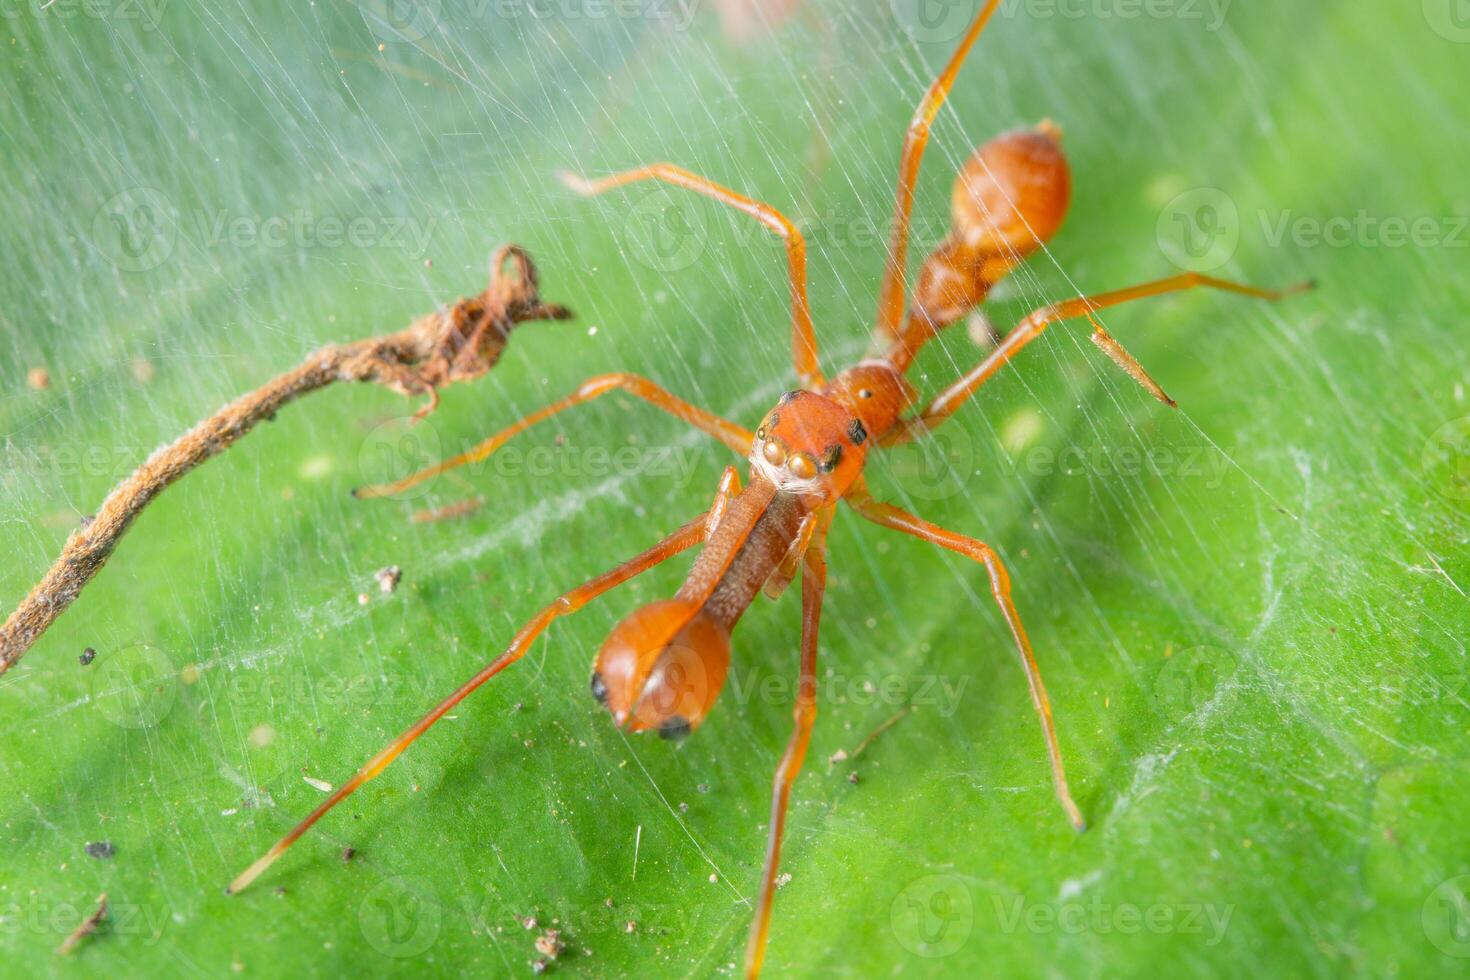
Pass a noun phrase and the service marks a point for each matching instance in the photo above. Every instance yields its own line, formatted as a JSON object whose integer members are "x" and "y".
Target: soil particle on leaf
{"x": 388, "y": 578}
{"x": 101, "y": 849}
{"x": 348, "y": 853}
{"x": 549, "y": 943}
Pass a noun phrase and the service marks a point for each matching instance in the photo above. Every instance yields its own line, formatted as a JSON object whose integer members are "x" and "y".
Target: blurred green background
{"x": 1249, "y": 612}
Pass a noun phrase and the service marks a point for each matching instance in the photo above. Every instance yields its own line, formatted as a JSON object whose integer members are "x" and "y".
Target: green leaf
{"x": 1249, "y": 612}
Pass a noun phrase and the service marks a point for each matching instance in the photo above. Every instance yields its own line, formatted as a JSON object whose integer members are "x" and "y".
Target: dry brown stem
{"x": 459, "y": 343}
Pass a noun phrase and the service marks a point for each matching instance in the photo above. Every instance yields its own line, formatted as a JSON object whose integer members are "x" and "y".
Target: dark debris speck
{"x": 88, "y": 655}
{"x": 100, "y": 849}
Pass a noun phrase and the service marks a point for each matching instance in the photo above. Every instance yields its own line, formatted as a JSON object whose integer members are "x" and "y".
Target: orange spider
{"x": 663, "y": 666}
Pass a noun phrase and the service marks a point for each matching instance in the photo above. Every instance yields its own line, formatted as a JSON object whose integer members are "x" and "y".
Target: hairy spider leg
{"x": 893, "y": 287}
{"x": 887, "y": 515}
{"x": 725, "y": 431}
{"x": 684, "y": 538}
{"x": 813, "y": 587}
{"x": 803, "y": 337}
{"x": 949, "y": 400}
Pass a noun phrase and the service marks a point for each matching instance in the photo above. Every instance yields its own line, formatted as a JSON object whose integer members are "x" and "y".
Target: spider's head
{"x": 1012, "y": 194}
{"x": 662, "y": 668}
{"x": 810, "y": 445}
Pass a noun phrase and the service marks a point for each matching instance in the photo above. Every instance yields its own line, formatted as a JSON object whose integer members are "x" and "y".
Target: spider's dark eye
{"x": 831, "y": 458}
{"x": 760, "y": 433}
{"x": 865, "y": 393}
{"x": 857, "y": 432}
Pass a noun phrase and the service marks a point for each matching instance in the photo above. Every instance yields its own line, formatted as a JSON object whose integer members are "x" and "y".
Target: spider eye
{"x": 774, "y": 453}
{"x": 802, "y": 466}
{"x": 761, "y": 433}
{"x": 865, "y": 393}
{"x": 831, "y": 458}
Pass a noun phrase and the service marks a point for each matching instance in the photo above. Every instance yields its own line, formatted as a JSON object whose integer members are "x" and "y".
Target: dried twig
{"x": 459, "y": 343}
{"x": 87, "y": 927}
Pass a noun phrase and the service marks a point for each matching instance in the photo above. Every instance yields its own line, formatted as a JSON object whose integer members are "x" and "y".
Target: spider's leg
{"x": 1033, "y": 325}
{"x": 727, "y": 432}
{"x": 813, "y": 585}
{"x": 887, "y": 515}
{"x": 726, "y": 493}
{"x": 803, "y": 337}
{"x": 894, "y": 283}
{"x": 686, "y": 537}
